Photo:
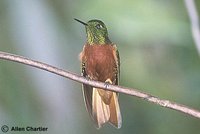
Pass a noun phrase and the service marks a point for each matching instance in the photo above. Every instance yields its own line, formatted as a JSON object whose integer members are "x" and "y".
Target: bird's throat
{"x": 97, "y": 39}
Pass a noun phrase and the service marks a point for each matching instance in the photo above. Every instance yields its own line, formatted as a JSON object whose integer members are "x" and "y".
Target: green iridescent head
{"x": 96, "y": 32}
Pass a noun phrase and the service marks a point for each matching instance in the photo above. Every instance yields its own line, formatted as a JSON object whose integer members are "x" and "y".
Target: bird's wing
{"x": 87, "y": 92}
{"x": 117, "y": 67}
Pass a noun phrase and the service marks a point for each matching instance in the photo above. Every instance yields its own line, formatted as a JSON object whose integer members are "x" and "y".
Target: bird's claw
{"x": 107, "y": 84}
{"x": 87, "y": 78}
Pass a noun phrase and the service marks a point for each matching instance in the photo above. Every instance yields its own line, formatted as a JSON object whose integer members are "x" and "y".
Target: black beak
{"x": 81, "y": 22}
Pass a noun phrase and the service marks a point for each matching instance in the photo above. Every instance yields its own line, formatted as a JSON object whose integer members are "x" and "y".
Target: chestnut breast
{"x": 99, "y": 61}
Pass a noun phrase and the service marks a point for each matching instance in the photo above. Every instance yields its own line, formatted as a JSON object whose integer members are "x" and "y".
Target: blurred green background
{"x": 158, "y": 56}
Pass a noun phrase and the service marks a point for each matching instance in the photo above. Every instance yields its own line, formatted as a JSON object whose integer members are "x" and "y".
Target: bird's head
{"x": 96, "y": 32}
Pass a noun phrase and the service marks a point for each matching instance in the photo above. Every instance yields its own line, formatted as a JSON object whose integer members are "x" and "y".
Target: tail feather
{"x": 103, "y": 112}
{"x": 115, "y": 116}
{"x": 100, "y": 110}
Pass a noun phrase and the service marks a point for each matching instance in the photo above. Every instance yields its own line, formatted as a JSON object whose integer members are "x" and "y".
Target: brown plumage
{"x": 100, "y": 59}
{"x": 101, "y": 63}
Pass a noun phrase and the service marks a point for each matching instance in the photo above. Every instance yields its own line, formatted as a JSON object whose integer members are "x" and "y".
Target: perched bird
{"x": 100, "y": 61}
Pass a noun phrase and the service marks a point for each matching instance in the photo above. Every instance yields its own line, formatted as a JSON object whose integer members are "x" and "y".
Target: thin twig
{"x": 129, "y": 91}
{"x": 193, "y": 15}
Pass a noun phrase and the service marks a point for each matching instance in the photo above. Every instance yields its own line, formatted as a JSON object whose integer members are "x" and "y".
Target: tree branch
{"x": 129, "y": 91}
{"x": 193, "y": 15}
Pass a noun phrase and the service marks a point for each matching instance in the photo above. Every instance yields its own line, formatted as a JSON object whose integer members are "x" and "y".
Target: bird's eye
{"x": 99, "y": 26}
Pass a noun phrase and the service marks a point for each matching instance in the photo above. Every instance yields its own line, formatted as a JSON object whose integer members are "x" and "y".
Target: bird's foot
{"x": 87, "y": 78}
{"x": 107, "y": 83}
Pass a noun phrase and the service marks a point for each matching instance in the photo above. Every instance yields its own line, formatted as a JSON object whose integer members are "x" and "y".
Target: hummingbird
{"x": 100, "y": 61}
